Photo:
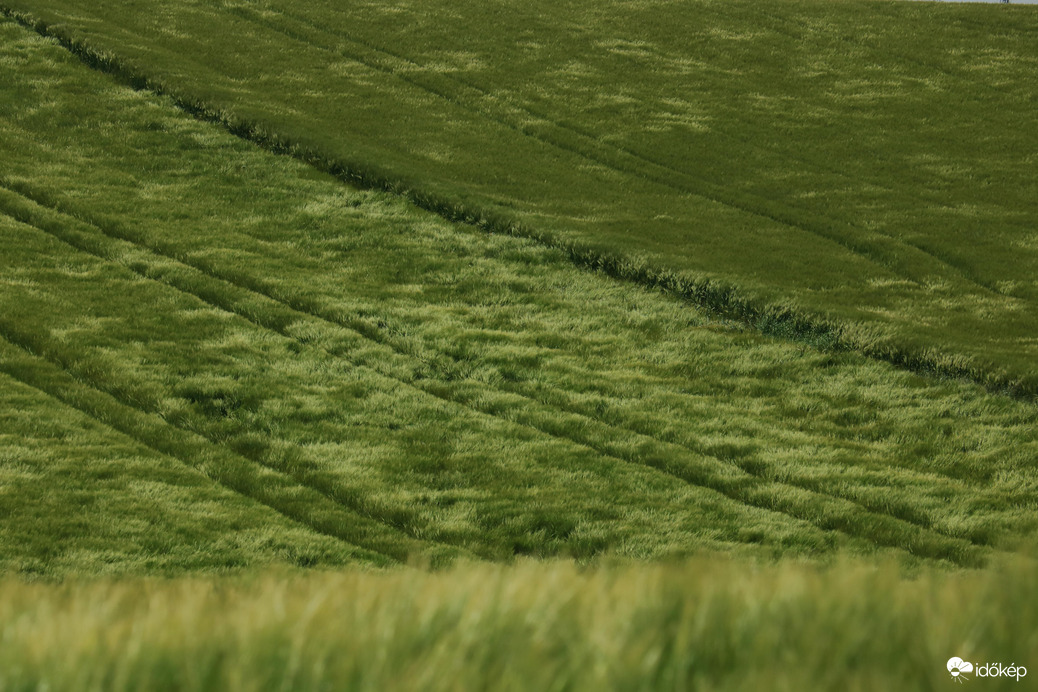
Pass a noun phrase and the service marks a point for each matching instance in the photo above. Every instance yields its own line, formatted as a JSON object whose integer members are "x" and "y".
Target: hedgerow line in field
{"x": 265, "y": 486}
{"x": 721, "y": 299}
{"x": 873, "y": 251}
{"x": 908, "y": 516}
{"x": 912, "y": 518}
{"x": 836, "y": 511}
{"x": 226, "y": 367}
{"x": 592, "y": 148}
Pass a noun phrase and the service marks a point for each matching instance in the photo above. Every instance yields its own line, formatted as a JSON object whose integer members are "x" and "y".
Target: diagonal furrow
{"x": 586, "y": 426}
{"x": 266, "y": 486}
{"x": 880, "y": 248}
{"x": 287, "y": 490}
{"x": 248, "y": 298}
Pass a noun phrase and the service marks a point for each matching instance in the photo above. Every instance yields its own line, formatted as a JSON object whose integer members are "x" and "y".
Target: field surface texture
{"x": 403, "y": 387}
{"x": 866, "y": 166}
{"x": 295, "y": 297}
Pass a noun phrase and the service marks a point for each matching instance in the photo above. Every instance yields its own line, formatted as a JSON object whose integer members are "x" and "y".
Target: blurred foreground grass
{"x": 702, "y": 624}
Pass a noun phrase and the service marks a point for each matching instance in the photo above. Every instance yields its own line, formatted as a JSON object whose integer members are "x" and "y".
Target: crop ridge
{"x": 696, "y": 467}
{"x": 643, "y": 166}
{"x": 722, "y": 299}
{"x": 867, "y": 248}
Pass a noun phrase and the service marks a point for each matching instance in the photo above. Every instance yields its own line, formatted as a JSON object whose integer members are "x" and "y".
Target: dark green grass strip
{"x": 248, "y": 298}
{"x": 877, "y": 248}
{"x": 551, "y": 132}
{"x": 373, "y": 543}
{"x": 796, "y": 30}
{"x": 717, "y": 297}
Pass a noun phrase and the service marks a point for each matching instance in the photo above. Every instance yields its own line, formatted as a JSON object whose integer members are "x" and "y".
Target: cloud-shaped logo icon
{"x": 956, "y": 666}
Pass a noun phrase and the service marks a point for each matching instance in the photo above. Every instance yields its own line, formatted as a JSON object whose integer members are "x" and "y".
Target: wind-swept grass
{"x": 418, "y": 389}
{"x": 861, "y": 170}
{"x": 701, "y": 624}
{"x": 218, "y": 360}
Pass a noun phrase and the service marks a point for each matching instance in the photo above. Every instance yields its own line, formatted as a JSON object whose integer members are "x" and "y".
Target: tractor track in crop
{"x": 744, "y": 485}
{"x": 271, "y": 488}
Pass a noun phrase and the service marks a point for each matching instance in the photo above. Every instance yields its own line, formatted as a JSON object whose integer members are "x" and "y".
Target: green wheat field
{"x": 486, "y": 345}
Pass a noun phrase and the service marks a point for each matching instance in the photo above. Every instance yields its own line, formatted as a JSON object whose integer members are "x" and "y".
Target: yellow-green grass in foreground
{"x": 416, "y": 389}
{"x": 708, "y": 624}
{"x": 865, "y": 163}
